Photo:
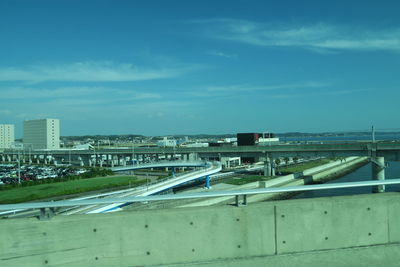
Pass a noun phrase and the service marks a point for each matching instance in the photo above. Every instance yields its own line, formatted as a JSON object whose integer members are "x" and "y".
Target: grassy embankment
{"x": 245, "y": 179}
{"x": 35, "y": 192}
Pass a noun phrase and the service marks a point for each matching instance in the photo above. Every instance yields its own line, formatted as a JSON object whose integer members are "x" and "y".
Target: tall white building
{"x": 42, "y": 134}
{"x": 7, "y": 136}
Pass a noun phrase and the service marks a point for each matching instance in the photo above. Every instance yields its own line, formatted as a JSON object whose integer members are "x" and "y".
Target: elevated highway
{"x": 389, "y": 150}
{"x": 161, "y": 164}
{"x": 204, "y": 171}
{"x": 157, "y": 187}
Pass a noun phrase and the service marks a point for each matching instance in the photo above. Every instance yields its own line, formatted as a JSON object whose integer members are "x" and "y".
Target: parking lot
{"x": 9, "y": 172}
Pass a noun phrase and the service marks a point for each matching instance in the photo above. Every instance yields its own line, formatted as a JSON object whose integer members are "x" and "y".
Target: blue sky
{"x": 187, "y": 67}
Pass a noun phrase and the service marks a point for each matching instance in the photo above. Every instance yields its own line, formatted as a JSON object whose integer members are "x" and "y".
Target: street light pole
{"x": 19, "y": 169}
{"x": 133, "y": 154}
{"x": 373, "y": 134}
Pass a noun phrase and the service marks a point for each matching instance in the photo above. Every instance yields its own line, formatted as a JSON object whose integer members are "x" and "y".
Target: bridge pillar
{"x": 378, "y": 173}
{"x": 80, "y": 161}
{"x": 193, "y": 156}
{"x": 267, "y": 167}
{"x": 173, "y": 171}
{"x": 273, "y": 167}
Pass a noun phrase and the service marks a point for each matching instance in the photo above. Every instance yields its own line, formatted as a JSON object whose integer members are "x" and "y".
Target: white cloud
{"x": 147, "y": 96}
{"x": 35, "y": 93}
{"x": 222, "y": 54}
{"x": 320, "y": 93}
{"x": 235, "y": 90}
{"x": 89, "y": 72}
{"x": 316, "y": 36}
{"x": 69, "y": 97}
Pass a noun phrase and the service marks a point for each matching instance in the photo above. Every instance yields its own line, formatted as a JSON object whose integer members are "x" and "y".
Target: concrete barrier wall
{"x": 315, "y": 173}
{"x": 338, "y": 168}
{"x": 329, "y": 165}
{"x": 253, "y": 235}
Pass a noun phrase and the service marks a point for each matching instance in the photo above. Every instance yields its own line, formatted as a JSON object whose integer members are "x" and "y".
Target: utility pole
{"x": 133, "y": 153}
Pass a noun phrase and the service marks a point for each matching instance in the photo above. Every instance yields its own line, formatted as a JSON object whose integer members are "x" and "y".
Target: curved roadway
{"x": 210, "y": 168}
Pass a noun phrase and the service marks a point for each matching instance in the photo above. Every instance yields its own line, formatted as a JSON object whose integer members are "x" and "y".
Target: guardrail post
{"x": 244, "y": 203}
{"x": 46, "y": 214}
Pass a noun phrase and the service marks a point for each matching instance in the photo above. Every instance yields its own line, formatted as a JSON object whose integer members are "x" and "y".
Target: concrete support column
{"x": 193, "y": 156}
{"x": 272, "y": 167}
{"x": 267, "y": 167}
{"x": 378, "y": 173}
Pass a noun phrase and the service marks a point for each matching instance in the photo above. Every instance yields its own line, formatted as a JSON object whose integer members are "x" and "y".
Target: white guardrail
{"x": 233, "y": 193}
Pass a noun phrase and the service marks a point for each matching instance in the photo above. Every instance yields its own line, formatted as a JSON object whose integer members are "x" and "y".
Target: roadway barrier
{"x": 336, "y": 231}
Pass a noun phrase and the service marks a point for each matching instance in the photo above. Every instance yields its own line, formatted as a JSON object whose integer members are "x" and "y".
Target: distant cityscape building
{"x": 251, "y": 139}
{"x": 166, "y": 142}
{"x": 7, "y": 135}
{"x": 247, "y": 139}
{"x": 42, "y": 134}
